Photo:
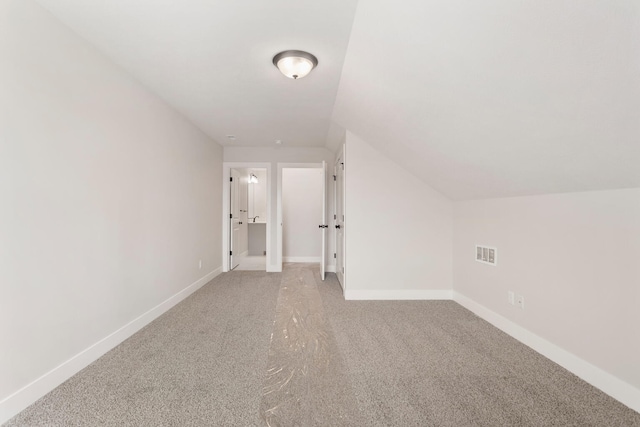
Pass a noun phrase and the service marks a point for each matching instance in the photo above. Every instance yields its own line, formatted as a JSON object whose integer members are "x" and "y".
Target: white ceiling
{"x": 212, "y": 59}
{"x": 478, "y": 98}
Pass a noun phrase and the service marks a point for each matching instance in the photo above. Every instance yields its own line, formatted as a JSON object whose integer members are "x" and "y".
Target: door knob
{"x": 338, "y": 226}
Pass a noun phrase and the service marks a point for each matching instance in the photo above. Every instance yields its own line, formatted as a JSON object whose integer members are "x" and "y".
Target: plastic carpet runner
{"x": 306, "y": 380}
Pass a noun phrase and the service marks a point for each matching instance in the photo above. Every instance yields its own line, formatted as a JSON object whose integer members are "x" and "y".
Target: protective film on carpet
{"x": 306, "y": 383}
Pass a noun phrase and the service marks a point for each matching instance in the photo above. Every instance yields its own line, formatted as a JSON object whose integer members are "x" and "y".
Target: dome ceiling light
{"x": 295, "y": 64}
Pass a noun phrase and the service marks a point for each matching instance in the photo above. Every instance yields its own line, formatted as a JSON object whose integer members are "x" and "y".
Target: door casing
{"x": 339, "y": 194}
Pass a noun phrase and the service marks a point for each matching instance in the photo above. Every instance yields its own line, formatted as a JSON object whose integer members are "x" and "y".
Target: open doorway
{"x": 248, "y": 225}
{"x": 246, "y": 233}
{"x": 302, "y": 213}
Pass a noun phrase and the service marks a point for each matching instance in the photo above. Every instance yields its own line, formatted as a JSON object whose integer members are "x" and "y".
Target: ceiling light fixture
{"x": 295, "y": 64}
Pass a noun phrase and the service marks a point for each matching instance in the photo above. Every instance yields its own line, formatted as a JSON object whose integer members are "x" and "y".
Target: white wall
{"x": 576, "y": 260}
{"x": 283, "y": 155}
{"x": 398, "y": 230}
{"x": 109, "y": 199}
{"x": 301, "y": 214}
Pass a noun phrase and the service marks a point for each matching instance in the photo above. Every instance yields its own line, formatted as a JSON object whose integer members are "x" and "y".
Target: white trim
{"x": 21, "y": 399}
{"x": 310, "y": 165}
{"x": 611, "y": 385}
{"x": 330, "y": 268}
{"x": 398, "y": 294}
{"x": 301, "y": 259}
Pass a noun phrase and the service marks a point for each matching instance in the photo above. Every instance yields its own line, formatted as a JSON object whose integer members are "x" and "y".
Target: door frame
{"x": 226, "y": 207}
{"x": 341, "y": 155}
{"x": 281, "y": 166}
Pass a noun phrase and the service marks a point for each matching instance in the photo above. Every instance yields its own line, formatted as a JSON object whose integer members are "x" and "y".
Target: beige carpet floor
{"x": 285, "y": 349}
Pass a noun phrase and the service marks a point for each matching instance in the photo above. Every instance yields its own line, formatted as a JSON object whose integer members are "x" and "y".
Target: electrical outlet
{"x": 512, "y": 298}
{"x": 200, "y": 264}
{"x": 520, "y": 301}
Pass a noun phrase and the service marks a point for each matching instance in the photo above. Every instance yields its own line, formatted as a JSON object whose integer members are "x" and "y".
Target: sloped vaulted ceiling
{"x": 478, "y": 98}
{"x": 498, "y": 98}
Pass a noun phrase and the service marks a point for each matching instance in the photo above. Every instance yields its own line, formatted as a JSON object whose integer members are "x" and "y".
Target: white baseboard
{"x": 398, "y": 294}
{"x": 613, "y": 386}
{"x": 21, "y": 399}
{"x": 330, "y": 268}
{"x": 301, "y": 259}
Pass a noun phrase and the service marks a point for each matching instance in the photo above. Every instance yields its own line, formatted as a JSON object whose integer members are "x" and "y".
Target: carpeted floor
{"x": 284, "y": 349}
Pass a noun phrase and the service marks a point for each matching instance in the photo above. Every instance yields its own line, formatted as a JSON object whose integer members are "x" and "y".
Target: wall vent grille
{"x": 486, "y": 255}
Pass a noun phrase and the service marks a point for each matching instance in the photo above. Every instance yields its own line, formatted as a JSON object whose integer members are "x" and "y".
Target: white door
{"x": 234, "y": 220}
{"x": 339, "y": 218}
{"x": 323, "y": 226}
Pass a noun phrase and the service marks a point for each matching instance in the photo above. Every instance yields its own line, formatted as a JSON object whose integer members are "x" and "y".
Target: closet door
{"x": 323, "y": 226}
{"x": 234, "y": 223}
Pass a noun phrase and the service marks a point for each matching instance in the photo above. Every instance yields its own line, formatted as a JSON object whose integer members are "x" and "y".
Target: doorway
{"x": 248, "y": 226}
{"x": 302, "y": 213}
{"x": 246, "y": 206}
